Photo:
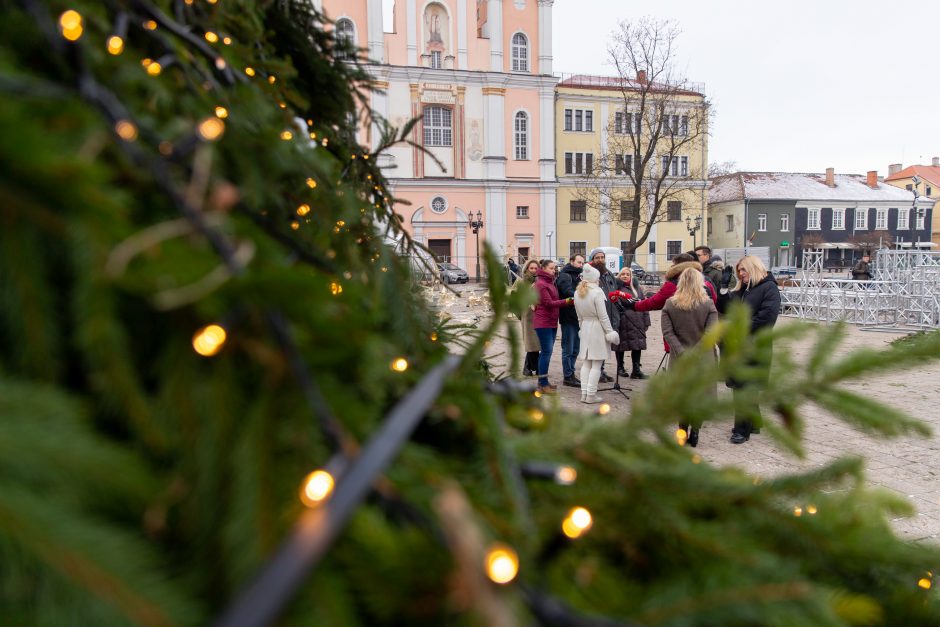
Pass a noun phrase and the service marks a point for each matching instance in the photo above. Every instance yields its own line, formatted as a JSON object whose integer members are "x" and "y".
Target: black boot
{"x": 621, "y": 372}
{"x": 637, "y": 372}
{"x": 693, "y": 437}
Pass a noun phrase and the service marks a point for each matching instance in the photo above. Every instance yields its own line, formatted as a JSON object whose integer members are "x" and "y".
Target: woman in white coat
{"x": 597, "y": 334}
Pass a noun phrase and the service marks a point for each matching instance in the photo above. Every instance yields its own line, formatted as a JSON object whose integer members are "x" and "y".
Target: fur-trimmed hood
{"x": 679, "y": 268}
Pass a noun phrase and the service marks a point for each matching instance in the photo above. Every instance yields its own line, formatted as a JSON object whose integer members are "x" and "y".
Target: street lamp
{"x": 549, "y": 236}
{"x": 476, "y": 225}
{"x": 693, "y": 229}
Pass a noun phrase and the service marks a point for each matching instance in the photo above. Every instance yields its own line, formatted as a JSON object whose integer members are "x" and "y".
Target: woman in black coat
{"x": 758, "y": 290}
{"x": 632, "y": 327}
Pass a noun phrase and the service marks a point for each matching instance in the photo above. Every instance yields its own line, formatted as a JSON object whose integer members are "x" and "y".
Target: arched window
{"x": 437, "y": 126}
{"x": 520, "y": 53}
{"x": 345, "y": 35}
{"x": 521, "y": 136}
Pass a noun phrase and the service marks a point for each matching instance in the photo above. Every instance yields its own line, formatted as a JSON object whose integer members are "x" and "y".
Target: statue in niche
{"x": 436, "y": 29}
{"x": 475, "y": 146}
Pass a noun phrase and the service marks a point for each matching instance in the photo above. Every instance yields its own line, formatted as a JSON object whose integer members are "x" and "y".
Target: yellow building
{"x": 928, "y": 186}
{"x": 603, "y": 127}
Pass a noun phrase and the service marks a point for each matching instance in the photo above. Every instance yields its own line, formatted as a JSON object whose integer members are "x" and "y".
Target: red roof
{"x": 928, "y": 172}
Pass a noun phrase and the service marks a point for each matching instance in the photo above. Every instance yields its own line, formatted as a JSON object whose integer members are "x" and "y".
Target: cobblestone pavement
{"x": 909, "y": 466}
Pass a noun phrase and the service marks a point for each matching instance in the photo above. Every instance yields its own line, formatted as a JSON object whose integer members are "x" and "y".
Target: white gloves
{"x": 612, "y": 338}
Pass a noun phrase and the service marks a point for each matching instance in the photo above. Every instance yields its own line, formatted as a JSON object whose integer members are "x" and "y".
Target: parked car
{"x": 452, "y": 274}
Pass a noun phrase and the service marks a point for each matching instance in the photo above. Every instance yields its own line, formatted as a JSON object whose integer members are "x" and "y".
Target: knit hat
{"x": 716, "y": 258}
{"x": 590, "y": 274}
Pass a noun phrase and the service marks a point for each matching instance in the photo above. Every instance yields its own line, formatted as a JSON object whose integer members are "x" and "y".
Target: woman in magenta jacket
{"x": 545, "y": 319}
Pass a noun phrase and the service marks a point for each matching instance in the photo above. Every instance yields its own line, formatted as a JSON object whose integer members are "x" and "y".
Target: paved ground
{"x": 909, "y": 466}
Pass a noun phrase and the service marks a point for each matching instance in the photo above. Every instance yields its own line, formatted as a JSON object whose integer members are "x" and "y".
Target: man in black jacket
{"x": 567, "y": 281}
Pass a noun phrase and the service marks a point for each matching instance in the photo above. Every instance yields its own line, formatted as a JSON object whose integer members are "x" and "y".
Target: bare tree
{"x": 722, "y": 168}
{"x": 655, "y": 140}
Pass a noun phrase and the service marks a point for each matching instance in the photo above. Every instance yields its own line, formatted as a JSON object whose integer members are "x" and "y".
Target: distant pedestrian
{"x": 597, "y": 333}
{"x": 757, "y": 289}
{"x": 685, "y": 317}
{"x": 566, "y": 283}
{"x": 545, "y": 320}
{"x": 512, "y": 272}
{"x": 862, "y": 270}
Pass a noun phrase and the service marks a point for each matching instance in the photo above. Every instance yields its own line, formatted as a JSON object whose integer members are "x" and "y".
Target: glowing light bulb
{"x": 434, "y": 337}
{"x": 400, "y": 364}
{"x": 209, "y": 340}
{"x": 115, "y": 45}
{"x": 150, "y": 25}
{"x": 537, "y": 394}
{"x": 924, "y": 583}
{"x": 336, "y": 289}
{"x": 250, "y": 71}
{"x": 126, "y": 130}
{"x": 303, "y": 210}
{"x": 797, "y": 511}
{"x": 211, "y": 37}
{"x": 811, "y": 509}
{"x": 603, "y": 409}
{"x": 282, "y": 105}
{"x": 681, "y": 436}
{"x": 317, "y": 486}
{"x": 341, "y": 223}
{"x": 696, "y": 459}
{"x": 227, "y": 41}
{"x": 295, "y": 225}
{"x": 536, "y": 415}
{"x": 313, "y": 135}
{"x": 221, "y": 112}
{"x": 220, "y": 63}
{"x": 287, "y": 135}
{"x": 272, "y": 79}
{"x": 577, "y": 522}
{"x": 211, "y": 129}
{"x": 70, "y": 23}
{"x": 566, "y": 475}
{"x": 154, "y": 68}
{"x": 502, "y": 564}
{"x": 311, "y": 183}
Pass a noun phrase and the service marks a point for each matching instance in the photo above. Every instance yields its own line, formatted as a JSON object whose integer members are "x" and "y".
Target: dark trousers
{"x": 570, "y": 347}
{"x": 531, "y": 361}
{"x": 634, "y": 357}
{"x": 547, "y": 342}
{"x": 746, "y": 411}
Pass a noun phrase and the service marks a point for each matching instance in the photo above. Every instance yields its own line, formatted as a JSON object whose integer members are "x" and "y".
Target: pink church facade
{"x": 478, "y": 74}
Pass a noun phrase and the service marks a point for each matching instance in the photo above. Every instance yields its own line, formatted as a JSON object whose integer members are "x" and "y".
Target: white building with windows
{"x": 478, "y": 74}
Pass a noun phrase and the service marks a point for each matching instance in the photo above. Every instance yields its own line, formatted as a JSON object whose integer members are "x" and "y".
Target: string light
{"x": 336, "y": 289}
{"x": 220, "y": 63}
{"x": 811, "y": 510}
{"x": 211, "y": 37}
{"x": 250, "y": 71}
{"x": 115, "y": 45}
{"x": 577, "y": 522}
{"x": 295, "y": 225}
{"x": 797, "y": 511}
{"x": 303, "y": 210}
{"x": 502, "y": 564}
{"x": 681, "y": 436}
{"x": 209, "y": 340}
{"x": 150, "y": 25}
{"x": 566, "y": 475}
{"x": 311, "y": 183}
{"x": 537, "y": 394}
{"x": 313, "y": 135}
{"x": 272, "y": 79}
{"x": 317, "y": 486}
{"x": 400, "y": 364}
{"x": 212, "y": 1}
{"x": 126, "y": 130}
{"x": 211, "y": 129}
{"x": 536, "y": 415}
{"x": 925, "y": 583}
{"x": 696, "y": 459}
{"x": 434, "y": 337}
{"x": 70, "y": 23}
{"x": 154, "y": 68}
{"x": 603, "y": 409}
{"x": 287, "y": 135}
{"x": 227, "y": 41}
{"x": 340, "y": 223}
{"x": 221, "y": 112}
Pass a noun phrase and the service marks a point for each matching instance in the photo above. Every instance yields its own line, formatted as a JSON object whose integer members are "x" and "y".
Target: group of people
{"x": 599, "y": 312}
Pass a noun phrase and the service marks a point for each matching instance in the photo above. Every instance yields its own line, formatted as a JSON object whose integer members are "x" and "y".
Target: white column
{"x": 380, "y": 106}
{"x": 547, "y": 131}
{"x": 412, "y": 32}
{"x": 545, "y": 36}
{"x": 376, "y": 32}
{"x": 548, "y": 214}
{"x": 462, "y": 34}
{"x": 494, "y": 127}
{"x": 494, "y": 18}
{"x": 495, "y": 220}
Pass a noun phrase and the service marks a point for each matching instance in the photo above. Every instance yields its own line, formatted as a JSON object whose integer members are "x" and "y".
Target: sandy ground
{"x": 909, "y": 466}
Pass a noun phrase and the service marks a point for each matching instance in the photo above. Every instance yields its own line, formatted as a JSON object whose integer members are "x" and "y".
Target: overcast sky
{"x": 796, "y": 86}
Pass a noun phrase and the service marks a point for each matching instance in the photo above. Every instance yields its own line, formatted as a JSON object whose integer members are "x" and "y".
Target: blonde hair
{"x": 690, "y": 292}
{"x": 583, "y": 288}
{"x": 755, "y": 271}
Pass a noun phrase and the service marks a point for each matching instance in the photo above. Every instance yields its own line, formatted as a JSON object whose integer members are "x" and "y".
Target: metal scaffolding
{"x": 904, "y": 292}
